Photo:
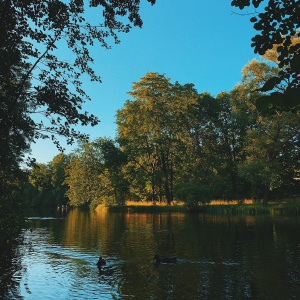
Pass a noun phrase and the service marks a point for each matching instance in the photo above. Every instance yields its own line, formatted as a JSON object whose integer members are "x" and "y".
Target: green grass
{"x": 147, "y": 208}
{"x": 286, "y": 209}
{"x": 278, "y": 208}
{"x": 237, "y": 209}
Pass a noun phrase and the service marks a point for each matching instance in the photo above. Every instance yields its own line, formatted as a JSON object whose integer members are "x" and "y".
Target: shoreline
{"x": 274, "y": 209}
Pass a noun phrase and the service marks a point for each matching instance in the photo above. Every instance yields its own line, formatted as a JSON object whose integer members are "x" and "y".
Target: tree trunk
{"x": 153, "y": 194}
{"x": 153, "y": 187}
{"x": 172, "y": 181}
{"x": 166, "y": 180}
{"x": 233, "y": 184}
{"x": 266, "y": 196}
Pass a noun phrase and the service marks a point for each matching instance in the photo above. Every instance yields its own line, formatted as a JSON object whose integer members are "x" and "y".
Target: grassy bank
{"x": 148, "y": 208}
{"x": 291, "y": 208}
{"x": 276, "y": 209}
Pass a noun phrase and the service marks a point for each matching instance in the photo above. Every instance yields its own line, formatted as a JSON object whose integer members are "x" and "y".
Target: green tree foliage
{"x": 11, "y": 206}
{"x": 215, "y": 143}
{"x": 95, "y": 175}
{"x": 37, "y": 79}
{"x": 200, "y": 146}
{"x": 44, "y": 53}
{"x": 272, "y": 142}
{"x": 271, "y": 152}
{"x": 149, "y": 131}
{"x": 16, "y": 129}
{"x": 280, "y": 96}
{"x": 83, "y": 176}
{"x": 58, "y": 168}
{"x": 45, "y": 185}
{"x": 193, "y": 193}
{"x": 230, "y": 127}
{"x": 277, "y": 24}
{"x": 38, "y": 192}
{"x": 199, "y": 140}
{"x": 115, "y": 186}
{"x": 174, "y": 142}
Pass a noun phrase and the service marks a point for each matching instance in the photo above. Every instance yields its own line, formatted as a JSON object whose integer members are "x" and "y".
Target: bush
{"x": 192, "y": 194}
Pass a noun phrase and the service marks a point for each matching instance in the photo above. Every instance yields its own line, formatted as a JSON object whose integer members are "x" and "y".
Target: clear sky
{"x": 192, "y": 41}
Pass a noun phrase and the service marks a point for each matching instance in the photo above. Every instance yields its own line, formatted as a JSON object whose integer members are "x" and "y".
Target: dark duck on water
{"x": 166, "y": 260}
{"x": 101, "y": 262}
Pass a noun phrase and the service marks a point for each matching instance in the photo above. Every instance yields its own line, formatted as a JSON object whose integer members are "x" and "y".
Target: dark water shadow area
{"x": 218, "y": 257}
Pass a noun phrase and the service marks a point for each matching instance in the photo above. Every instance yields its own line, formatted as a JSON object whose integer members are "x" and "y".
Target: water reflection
{"x": 10, "y": 271}
{"x": 218, "y": 257}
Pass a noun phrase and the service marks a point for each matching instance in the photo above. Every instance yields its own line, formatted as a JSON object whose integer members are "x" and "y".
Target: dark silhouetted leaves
{"x": 278, "y": 24}
{"x": 31, "y": 33}
{"x": 276, "y": 101}
{"x": 270, "y": 84}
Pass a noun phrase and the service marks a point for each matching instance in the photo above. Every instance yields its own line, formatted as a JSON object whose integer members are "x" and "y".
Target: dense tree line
{"x": 45, "y": 184}
{"x": 174, "y": 143}
{"x": 223, "y": 147}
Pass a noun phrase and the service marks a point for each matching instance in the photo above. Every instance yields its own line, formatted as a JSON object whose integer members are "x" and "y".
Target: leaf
{"x": 270, "y": 84}
{"x": 287, "y": 101}
{"x": 263, "y": 104}
{"x": 292, "y": 97}
{"x": 295, "y": 62}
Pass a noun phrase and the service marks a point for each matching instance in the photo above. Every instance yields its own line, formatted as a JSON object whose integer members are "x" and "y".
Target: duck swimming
{"x": 166, "y": 260}
{"x": 101, "y": 262}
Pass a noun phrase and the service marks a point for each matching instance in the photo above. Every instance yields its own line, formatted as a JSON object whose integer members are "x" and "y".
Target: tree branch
{"x": 25, "y": 78}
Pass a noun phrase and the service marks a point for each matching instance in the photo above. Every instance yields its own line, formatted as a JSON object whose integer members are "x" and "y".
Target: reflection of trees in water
{"x": 231, "y": 252}
{"x": 286, "y": 238}
{"x": 163, "y": 231}
{"x": 219, "y": 257}
{"x": 11, "y": 269}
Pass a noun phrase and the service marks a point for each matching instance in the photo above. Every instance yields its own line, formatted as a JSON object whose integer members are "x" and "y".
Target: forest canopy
{"x": 174, "y": 143}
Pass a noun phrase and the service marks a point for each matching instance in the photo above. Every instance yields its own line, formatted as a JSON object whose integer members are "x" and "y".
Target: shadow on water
{"x": 11, "y": 269}
{"x": 218, "y": 257}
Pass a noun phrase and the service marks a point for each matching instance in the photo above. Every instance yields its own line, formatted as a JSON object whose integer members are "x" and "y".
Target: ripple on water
{"x": 52, "y": 271}
{"x": 57, "y": 259}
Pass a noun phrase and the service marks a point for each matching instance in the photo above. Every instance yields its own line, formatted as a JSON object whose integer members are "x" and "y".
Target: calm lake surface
{"x": 218, "y": 257}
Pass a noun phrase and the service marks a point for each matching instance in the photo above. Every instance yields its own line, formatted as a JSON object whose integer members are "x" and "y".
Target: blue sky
{"x": 192, "y": 41}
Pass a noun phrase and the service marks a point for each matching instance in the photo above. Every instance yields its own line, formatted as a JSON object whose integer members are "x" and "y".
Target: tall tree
{"x": 149, "y": 128}
{"x": 58, "y": 167}
{"x": 135, "y": 140}
{"x": 45, "y": 186}
{"x": 95, "y": 174}
{"x": 231, "y": 126}
{"x": 83, "y": 175}
{"x": 272, "y": 156}
{"x": 214, "y": 144}
{"x": 200, "y": 160}
{"x": 39, "y": 192}
{"x": 113, "y": 180}
{"x": 272, "y": 140}
{"x": 36, "y": 78}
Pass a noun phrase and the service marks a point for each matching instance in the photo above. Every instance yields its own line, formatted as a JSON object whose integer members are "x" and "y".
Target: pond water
{"x": 218, "y": 257}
